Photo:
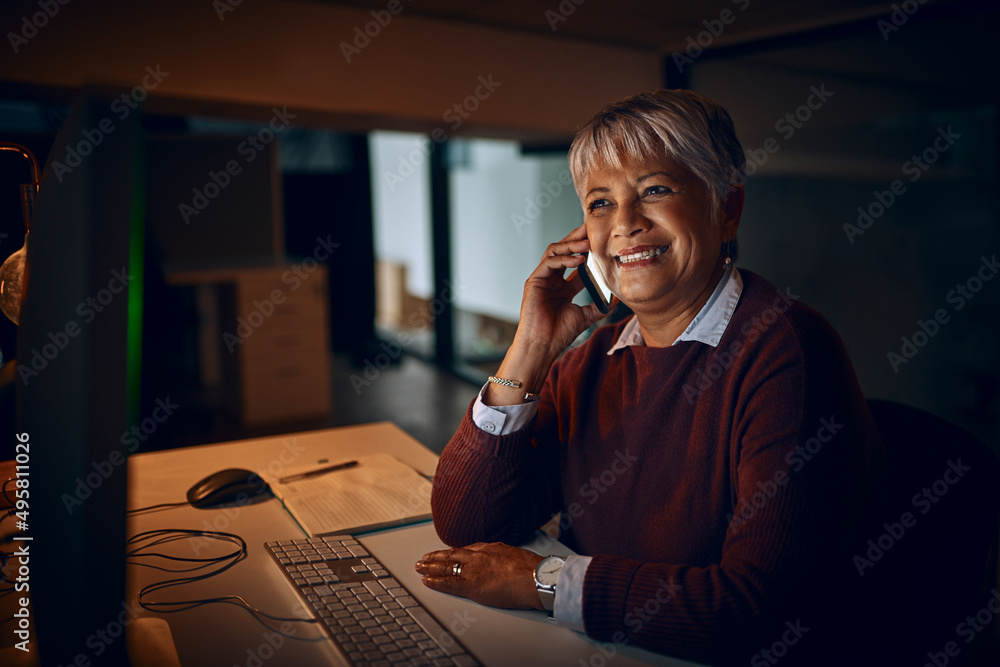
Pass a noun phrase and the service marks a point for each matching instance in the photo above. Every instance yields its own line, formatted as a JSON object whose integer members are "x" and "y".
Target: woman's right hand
{"x": 549, "y": 320}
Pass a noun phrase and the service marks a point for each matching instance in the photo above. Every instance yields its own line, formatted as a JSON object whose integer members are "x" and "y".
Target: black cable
{"x": 165, "y": 536}
{"x": 160, "y": 506}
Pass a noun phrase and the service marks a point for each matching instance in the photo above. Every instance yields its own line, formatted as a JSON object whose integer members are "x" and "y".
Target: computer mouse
{"x": 227, "y": 486}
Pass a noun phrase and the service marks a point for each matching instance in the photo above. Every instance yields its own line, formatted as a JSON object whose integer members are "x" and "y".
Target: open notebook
{"x": 378, "y": 492}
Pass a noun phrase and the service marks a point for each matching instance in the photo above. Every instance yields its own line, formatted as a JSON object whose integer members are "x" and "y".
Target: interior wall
{"x": 898, "y": 257}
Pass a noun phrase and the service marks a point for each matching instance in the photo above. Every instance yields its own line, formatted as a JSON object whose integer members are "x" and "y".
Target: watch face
{"x": 547, "y": 571}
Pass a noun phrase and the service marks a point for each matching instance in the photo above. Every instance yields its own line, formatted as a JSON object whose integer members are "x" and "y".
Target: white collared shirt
{"x": 707, "y": 327}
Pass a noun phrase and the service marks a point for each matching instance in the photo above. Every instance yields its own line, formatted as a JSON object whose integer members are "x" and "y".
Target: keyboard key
{"x": 437, "y": 633}
{"x": 406, "y": 602}
{"x": 359, "y": 569}
{"x": 380, "y": 573}
{"x": 374, "y": 587}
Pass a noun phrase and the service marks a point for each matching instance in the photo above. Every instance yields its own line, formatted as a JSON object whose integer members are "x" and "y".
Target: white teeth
{"x": 645, "y": 254}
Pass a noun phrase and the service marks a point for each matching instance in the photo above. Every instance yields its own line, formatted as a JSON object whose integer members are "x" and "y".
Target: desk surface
{"x": 224, "y": 634}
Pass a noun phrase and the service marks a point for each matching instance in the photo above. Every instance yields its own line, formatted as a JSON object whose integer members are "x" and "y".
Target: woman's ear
{"x": 732, "y": 211}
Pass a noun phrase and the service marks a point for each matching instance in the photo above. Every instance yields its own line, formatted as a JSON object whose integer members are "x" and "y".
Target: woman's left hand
{"x": 493, "y": 574}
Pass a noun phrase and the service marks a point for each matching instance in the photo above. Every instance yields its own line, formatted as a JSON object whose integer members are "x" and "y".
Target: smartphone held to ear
{"x": 593, "y": 280}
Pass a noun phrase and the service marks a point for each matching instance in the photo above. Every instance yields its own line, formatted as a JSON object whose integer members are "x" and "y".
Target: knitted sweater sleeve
{"x": 490, "y": 488}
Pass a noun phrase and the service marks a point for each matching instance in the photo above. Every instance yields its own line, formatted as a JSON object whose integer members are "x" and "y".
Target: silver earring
{"x": 728, "y": 262}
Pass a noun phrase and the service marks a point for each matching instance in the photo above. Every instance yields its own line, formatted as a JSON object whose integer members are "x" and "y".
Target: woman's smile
{"x": 639, "y": 256}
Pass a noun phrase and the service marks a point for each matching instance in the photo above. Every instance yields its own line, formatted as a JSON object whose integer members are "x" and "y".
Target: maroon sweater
{"x": 720, "y": 490}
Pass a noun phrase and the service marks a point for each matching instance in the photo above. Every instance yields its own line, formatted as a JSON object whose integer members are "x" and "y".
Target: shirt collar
{"x": 707, "y": 326}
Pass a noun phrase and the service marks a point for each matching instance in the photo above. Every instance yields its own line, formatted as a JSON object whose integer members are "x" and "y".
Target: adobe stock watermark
{"x": 391, "y": 351}
{"x": 786, "y": 126}
{"x": 922, "y": 501}
{"x": 590, "y": 490}
{"x": 750, "y": 333}
{"x": 363, "y": 35}
{"x": 779, "y": 649}
{"x": 796, "y": 459}
{"x": 901, "y": 13}
{"x": 37, "y": 360}
{"x": 223, "y": 7}
{"x": 293, "y": 279}
{"x": 249, "y": 148}
{"x": 563, "y": 11}
{"x": 915, "y": 167}
{"x": 31, "y": 25}
{"x": 533, "y": 206}
{"x": 959, "y": 296}
{"x": 122, "y": 106}
{"x": 455, "y": 116}
{"x": 130, "y": 439}
{"x": 967, "y": 629}
{"x": 223, "y": 517}
{"x": 635, "y": 620}
{"x": 271, "y": 644}
{"x": 713, "y": 30}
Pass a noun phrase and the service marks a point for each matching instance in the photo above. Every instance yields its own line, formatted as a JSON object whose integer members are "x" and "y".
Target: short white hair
{"x": 692, "y": 129}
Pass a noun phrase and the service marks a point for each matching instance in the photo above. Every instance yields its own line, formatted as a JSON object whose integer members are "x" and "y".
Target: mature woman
{"x": 713, "y": 453}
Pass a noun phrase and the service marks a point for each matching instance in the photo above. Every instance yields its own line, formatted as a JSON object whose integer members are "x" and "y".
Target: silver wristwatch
{"x": 546, "y": 576}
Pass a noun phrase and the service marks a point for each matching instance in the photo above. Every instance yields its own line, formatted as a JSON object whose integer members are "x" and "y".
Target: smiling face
{"x": 650, "y": 225}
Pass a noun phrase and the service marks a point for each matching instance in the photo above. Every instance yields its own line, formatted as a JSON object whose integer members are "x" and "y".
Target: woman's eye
{"x": 656, "y": 190}
{"x": 596, "y": 204}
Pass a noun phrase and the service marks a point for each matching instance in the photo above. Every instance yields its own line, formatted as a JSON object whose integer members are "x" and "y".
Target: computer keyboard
{"x": 371, "y": 617}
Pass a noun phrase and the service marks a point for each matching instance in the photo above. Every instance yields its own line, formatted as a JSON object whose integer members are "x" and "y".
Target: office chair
{"x": 930, "y": 575}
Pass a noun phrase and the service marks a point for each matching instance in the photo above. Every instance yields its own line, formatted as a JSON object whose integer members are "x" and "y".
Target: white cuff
{"x": 501, "y": 419}
{"x": 568, "y": 608}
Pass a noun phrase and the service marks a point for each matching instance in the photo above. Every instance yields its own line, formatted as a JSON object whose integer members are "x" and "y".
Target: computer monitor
{"x": 77, "y": 355}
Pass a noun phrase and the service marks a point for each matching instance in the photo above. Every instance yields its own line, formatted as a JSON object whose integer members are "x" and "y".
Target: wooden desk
{"x": 223, "y": 634}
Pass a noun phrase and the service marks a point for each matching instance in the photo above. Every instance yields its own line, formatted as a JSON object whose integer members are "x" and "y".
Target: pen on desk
{"x": 318, "y": 471}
